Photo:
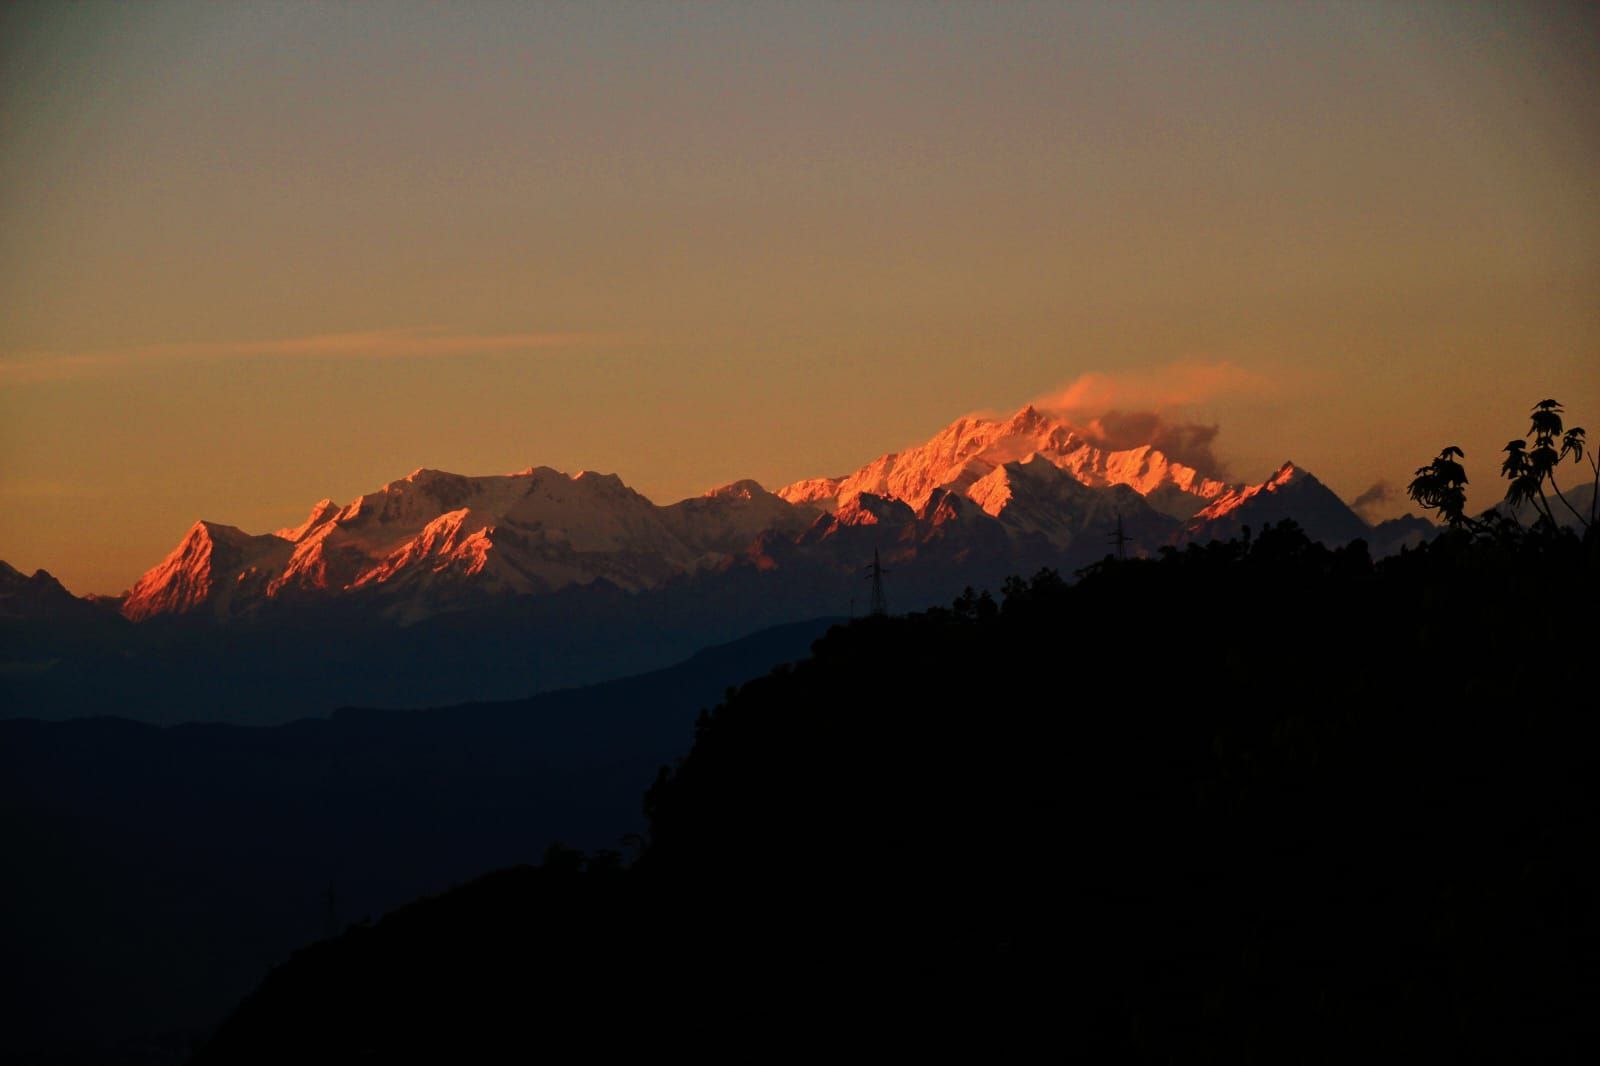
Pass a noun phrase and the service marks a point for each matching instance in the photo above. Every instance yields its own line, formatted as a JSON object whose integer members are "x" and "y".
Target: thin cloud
{"x": 1155, "y": 388}
{"x": 31, "y": 367}
{"x": 1189, "y": 443}
{"x": 1126, "y": 409}
{"x": 1380, "y": 493}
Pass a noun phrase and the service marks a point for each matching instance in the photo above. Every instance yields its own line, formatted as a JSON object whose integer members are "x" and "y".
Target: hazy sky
{"x": 256, "y": 254}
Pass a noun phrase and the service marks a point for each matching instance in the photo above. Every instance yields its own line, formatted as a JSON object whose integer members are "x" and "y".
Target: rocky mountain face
{"x": 40, "y": 597}
{"x": 969, "y": 449}
{"x": 1013, "y": 493}
{"x": 439, "y": 588}
{"x": 1290, "y": 493}
{"x": 430, "y": 540}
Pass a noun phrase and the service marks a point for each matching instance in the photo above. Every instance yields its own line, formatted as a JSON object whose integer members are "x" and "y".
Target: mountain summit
{"x": 999, "y": 494}
{"x": 423, "y": 542}
{"x": 971, "y": 448}
{"x": 440, "y": 587}
{"x": 1291, "y": 492}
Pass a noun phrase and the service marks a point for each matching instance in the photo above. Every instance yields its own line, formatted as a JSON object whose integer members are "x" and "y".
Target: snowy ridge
{"x": 1290, "y": 493}
{"x": 1236, "y": 498}
{"x": 1030, "y": 487}
{"x": 970, "y": 448}
{"x": 432, "y": 535}
{"x": 212, "y": 566}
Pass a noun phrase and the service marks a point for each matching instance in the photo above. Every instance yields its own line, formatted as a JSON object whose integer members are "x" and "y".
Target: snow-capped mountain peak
{"x": 744, "y": 489}
{"x": 437, "y": 535}
{"x": 970, "y": 448}
{"x": 1236, "y": 498}
{"x": 212, "y": 565}
{"x": 1290, "y": 493}
{"x": 321, "y": 511}
{"x": 981, "y": 487}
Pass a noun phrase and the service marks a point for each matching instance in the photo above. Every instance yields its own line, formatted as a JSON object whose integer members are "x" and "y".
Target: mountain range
{"x": 440, "y": 587}
{"x": 435, "y": 541}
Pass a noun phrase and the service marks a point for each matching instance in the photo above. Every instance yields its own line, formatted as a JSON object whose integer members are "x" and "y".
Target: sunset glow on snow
{"x": 253, "y": 256}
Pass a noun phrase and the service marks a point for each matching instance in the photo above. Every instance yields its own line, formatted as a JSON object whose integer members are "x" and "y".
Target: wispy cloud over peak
{"x": 1155, "y": 405}
{"x": 1161, "y": 388}
{"x": 1372, "y": 500}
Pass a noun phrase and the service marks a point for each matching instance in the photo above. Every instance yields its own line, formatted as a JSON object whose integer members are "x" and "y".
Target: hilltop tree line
{"x": 1259, "y": 800}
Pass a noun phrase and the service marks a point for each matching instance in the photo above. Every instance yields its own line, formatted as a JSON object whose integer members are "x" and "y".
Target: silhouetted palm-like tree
{"x": 1442, "y": 486}
{"x": 1528, "y": 469}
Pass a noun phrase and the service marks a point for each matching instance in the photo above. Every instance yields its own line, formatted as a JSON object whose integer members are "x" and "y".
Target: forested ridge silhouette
{"x": 1257, "y": 800}
{"x": 152, "y": 875}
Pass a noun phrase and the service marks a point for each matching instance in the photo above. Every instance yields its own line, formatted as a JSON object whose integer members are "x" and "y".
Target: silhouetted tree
{"x": 1530, "y": 469}
{"x": 1441, "y": 485}
{"x": 1246, "y": 802}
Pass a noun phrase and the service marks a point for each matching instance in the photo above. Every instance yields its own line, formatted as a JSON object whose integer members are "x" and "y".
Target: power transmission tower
{"x": 1120, "y": 539}
{"x": 880, "y": 602}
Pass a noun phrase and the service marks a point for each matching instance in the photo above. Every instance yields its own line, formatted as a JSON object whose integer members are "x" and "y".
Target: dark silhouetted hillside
{"x": 1256, "y": 801}
{"x": 152, "y": 876}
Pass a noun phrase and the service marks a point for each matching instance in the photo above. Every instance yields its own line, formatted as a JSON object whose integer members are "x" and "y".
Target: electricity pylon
{"x": 880, "y": 602}
{"x": 1120, "y": 539}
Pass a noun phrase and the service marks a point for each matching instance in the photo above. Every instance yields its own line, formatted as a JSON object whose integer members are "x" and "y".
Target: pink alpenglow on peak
{"x": 1234, "y": 499}
{"x": 1291, "y": 493}
{"x": 434, "y": 535}
{"x": 321, "y": 511}
{"x": 1020, "y": 487}
{"x": 970, "y": 448}
{"x": 213, "y": 566}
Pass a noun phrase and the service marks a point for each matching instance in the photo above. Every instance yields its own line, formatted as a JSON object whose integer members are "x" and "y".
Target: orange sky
{"x": 254, "y": 255}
